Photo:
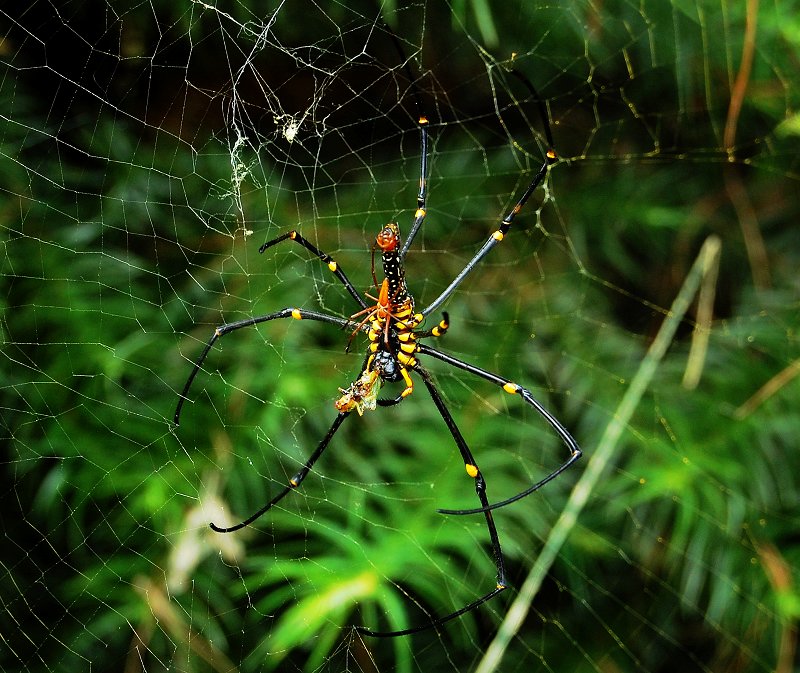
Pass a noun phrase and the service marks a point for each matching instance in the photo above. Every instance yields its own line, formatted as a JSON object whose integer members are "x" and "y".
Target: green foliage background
{"x": 126, "y": 208}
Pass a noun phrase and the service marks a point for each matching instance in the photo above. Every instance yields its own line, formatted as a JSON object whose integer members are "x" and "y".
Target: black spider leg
{"x": 513, "y": 389}
{"x": 285, "y": 313}
{"x": 325, "y": 257}
{"x": 480, "y": 489}
{"x": 295, "y": 481}
{"x": 495, "y": 237}
{"x": 222, "y": 330}
{"x": 422, "y": 195}
{"x": 550, "y": 158}
{"x": 422, "y": 123}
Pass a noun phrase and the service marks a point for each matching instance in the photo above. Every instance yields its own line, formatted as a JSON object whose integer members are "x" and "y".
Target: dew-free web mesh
{"x": 148, "y": 148}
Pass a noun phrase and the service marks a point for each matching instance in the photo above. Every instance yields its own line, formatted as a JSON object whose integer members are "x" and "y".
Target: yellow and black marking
{"x": 441, "y": 328}
{"x": 392, "y": 329}
{"x": 398, "y": 324}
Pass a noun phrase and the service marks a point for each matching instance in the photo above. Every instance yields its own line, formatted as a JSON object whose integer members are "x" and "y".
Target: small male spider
{"x": 393, "y": 327}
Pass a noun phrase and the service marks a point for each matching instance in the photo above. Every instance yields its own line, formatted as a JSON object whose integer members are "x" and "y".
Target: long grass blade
{"x": 601, "y": 457}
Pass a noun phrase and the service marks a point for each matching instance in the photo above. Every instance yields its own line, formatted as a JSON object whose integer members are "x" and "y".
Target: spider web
{"x": 149, "y": 148}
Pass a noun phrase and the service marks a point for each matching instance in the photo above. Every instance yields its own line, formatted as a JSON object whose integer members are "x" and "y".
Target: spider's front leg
{"x": 331, "y": 263}
{"x": 222, "y": 330}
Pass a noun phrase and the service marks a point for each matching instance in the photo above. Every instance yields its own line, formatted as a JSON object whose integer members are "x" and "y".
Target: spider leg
{"x": 439, "y": 330}
{"x": 422, "y": 123}
{"x": 550, "y": 158}
{"x": 295, "y": 481}
{"x": 496, "y": 237}
{"x": 325, "y": 257}
{"x": 422, "y": 196}
{"x": 390, "y": 402}
{"x": 513, "y": 389}
{"x": 480, "y": 490}
{"x": 296, "y": 313}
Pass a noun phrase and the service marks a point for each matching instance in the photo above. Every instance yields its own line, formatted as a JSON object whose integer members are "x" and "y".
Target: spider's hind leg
{"x": 512, "y": 388}
{"x": 295, "y": 481}
{"x": 480, "y": 489}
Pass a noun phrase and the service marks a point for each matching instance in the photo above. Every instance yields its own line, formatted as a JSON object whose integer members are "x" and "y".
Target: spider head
{"x": 389, "y": 237}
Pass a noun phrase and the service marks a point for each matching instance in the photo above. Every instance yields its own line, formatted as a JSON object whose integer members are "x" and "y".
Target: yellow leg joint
{"x": 296, "y": 314}
{"x": 409, "y": 383}
{"x": 511, "y": 388}
{"x": 332, "y": 265}
{"x": 472, "y": 470}
{"x": 441, "y": 328}
{"x": 498, "y": 235}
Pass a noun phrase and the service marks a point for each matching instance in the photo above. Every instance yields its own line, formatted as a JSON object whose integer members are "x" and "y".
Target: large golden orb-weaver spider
{"x": 394, "y": 354}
